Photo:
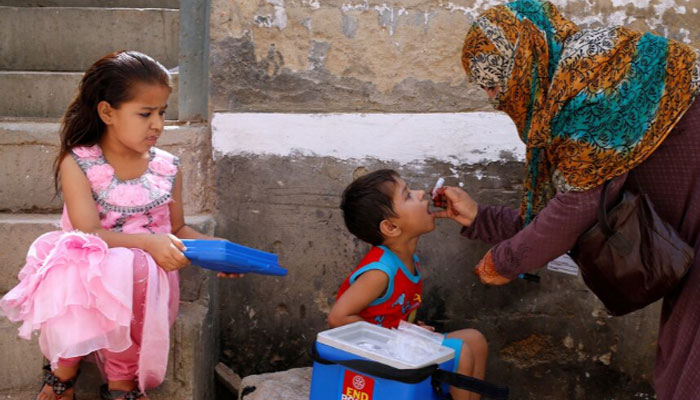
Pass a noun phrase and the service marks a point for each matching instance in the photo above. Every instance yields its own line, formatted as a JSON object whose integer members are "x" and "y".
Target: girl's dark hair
{"x": 112, "y": 79}
{"x": 367, "y": 201}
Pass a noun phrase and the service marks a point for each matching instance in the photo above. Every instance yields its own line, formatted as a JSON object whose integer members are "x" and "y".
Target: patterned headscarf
{"x": 588, "y": 104}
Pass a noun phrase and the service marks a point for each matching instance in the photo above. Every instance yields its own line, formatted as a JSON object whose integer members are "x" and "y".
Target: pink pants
{"x": 124, "y": 366}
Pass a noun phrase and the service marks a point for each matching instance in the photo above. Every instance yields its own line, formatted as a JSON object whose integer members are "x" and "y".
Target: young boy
{"x": 386, "y": 286}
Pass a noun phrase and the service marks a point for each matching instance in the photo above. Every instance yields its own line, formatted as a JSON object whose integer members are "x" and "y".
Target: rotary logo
{"x": 357, "y": 387}
{"x": 358, "y": 382}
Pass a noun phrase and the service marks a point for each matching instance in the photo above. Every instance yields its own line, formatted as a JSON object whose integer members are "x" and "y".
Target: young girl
{"x": 107, "y": 283}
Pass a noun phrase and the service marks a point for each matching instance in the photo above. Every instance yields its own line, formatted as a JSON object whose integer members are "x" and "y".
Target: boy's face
{"x": 412, "y": 208}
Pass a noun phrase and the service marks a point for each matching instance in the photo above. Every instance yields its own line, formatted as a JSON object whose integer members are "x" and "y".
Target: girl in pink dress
{"x": 107, "y": 283}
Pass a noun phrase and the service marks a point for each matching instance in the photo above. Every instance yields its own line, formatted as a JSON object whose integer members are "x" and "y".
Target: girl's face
{"x": 137, "y": 124}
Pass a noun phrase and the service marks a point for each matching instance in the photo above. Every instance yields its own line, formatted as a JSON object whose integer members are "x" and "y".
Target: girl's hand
{"x": 460, "y": 206}
{"x": 166, "y": 250}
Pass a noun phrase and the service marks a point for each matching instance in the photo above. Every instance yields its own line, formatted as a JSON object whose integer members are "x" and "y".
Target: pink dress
{"x": 79, "y": 292}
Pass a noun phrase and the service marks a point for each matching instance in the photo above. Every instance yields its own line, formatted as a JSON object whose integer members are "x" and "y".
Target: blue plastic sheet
{"x": 232, "y": 258}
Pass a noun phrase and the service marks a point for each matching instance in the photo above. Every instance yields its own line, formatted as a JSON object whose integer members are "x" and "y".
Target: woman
{"x": 590, "y": 106}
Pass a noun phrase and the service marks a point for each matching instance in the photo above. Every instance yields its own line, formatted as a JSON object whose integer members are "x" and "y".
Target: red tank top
{"x": 403, "y": 293}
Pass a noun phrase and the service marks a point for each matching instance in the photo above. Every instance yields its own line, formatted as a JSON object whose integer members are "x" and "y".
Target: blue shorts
{"x": 456, "y": 345}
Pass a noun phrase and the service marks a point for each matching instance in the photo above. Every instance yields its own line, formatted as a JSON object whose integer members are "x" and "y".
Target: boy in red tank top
{"x": 385, "y": 288}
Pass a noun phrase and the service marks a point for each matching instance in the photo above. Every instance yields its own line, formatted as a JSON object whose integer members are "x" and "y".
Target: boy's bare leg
{"x": 63, "y": 373}
{"x": 472, "y": 361}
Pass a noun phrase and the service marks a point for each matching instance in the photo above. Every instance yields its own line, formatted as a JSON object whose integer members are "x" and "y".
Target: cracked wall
{"x": 379, "y": 56}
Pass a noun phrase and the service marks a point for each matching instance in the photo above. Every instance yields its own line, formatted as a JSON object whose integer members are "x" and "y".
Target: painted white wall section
{"x": 465, "y": 138}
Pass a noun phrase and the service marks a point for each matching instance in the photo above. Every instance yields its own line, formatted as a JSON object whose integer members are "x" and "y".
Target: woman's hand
{"x": 166, "y": 250}
{"x": 486, "y": 271}
{"x": 460, "y": 206}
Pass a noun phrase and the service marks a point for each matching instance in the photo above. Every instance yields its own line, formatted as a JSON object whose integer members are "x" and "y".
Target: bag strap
{"x": 616, "y": 239}
{"x": 602, "y": 211}
{"x": 417, "y": 375}
{"x": 489, "y": 390}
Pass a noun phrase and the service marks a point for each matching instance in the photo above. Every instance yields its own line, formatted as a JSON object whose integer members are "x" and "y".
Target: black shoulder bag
{"x": 631, "y": 257}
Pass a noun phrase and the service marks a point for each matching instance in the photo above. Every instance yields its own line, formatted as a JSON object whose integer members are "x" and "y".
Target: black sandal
{"x": 58, "y": 386}
{"x": 106, "y": 394}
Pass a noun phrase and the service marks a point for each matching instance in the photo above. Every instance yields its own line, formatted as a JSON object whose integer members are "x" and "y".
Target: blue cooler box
{"x": 364, "y": 341}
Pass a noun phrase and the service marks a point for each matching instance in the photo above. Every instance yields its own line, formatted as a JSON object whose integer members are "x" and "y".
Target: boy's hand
{"x": 460, "y": 206}
{"x": 166, "y": 250}
{"x": 423, "y": 325}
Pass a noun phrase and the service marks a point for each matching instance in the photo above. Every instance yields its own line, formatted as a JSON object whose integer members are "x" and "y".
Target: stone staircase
{"x": 44, "y": 47}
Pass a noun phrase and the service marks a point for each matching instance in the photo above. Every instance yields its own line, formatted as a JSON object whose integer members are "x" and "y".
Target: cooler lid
{"x": 370, "y": 342}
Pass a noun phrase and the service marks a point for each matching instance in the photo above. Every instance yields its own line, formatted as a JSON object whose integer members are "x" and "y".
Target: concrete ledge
{"x": 93, "y": 3}
{"x": 293, "y": 384}
{"x": 17, "y": 233}
{"x": 21, "y": 359}
{"x": 455, "y": 138}
{"x": 28, "y": 149}
{"x": 71, "y": 39}
{"x": 48, "y": 94}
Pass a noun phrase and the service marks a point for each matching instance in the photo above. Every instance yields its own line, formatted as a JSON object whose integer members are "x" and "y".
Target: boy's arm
{"x": 368, "y": 287}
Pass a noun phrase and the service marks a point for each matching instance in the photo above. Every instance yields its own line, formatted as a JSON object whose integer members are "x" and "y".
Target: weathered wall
{"x": 279, "y": 179}
{"x": 378, "y": 55}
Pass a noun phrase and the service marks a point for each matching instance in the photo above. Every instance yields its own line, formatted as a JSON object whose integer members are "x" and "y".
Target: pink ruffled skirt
{"x": 78, "y": 293}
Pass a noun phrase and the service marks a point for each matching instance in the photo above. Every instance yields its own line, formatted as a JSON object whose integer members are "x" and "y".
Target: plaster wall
{"x": 379, "y": 55}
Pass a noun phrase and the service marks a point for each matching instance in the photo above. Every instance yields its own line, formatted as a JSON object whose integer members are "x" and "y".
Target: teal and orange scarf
{"x": 588, "y": 104}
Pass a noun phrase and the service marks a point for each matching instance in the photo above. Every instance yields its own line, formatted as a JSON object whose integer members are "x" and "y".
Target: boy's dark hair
{"x": 366, "y": 202}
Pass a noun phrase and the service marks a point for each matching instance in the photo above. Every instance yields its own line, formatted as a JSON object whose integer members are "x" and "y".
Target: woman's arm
{"x": 83, "y": 215}
{"x": 367, "y": 287}
{"x": 553, "y": 232}
{"x": 494, "y": 224}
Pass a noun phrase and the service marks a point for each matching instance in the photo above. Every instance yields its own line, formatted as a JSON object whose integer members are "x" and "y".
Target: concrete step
{"x": 193, "y": 345}
{"x": 31, "y": 395}
{"x": 293, "y": 384}
{"x": 93, "y": 3}
{"x": 71, "y": 39}
{"x": 41, "y": 94}
{"x": 28, "y": 149}
{"x": 190, "y": 363}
